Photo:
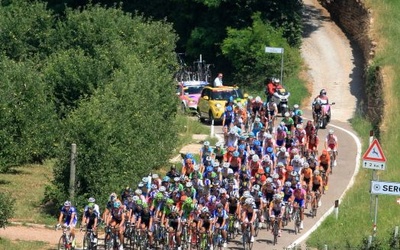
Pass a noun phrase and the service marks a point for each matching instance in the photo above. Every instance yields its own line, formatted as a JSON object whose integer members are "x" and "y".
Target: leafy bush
{"x": 6, "y": 209}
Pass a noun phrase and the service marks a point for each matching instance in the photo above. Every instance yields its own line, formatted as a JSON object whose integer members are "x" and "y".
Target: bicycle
{"x": 217, "y": 239}
{"x": 112, "y": 238}
{"x": 287, "y": 217}
{"x": 275, "y": 230}
{"x": 233, "y": 226}
{"x": 333, "y": 154}
{"x": 89, "y": 240}
{"x": 141, "y": 239}
{"x": 315, "y": 203}
{"x": 203, "y": 241}
{"x": 296, "y": 219}
{"x": 65, "y": 241}
{"x": 246, "y": 240}
{"x": 185, "y": 244}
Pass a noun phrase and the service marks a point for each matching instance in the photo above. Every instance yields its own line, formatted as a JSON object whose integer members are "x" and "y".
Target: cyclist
{"x": 204, "y": 225}
{"x": 256, "y": 126}
{"x": 280, "y": 137}
{"x": 116, "y": 219}
{"x": 69, "y": 218}
{"x": 312, "y": 143}
{"x": 289, "y": 123}
{"x": 90, "y": 219}
{"x": 299, "y": 195}
{"x": 331, "y": 144}
{"x": 276, "y": 211}
{"x": 220, "y": 220}
{"x": 272, "y": 111}
{"x": 317, "y": 184}
{"x": 300, "y": 136}
{"x": 306, "y": 174}
{"x": 297, "y": 114}
{"x": 219, "y": 152}
{"x": 228, "y": 117}
{"x": 91, "y": 201}
{"x": 173, "y": 222}
{"x": 145, "y": 221}
{"x": 325, "y": 165}
{"x": 249, "y": 215}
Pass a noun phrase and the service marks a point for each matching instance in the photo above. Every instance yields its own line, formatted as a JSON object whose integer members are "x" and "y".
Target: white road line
{"x": 351, "y": 183}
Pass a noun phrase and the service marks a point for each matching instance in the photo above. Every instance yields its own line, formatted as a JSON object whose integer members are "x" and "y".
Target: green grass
{"x": 26, "y": 185}
{"x": 23, "y": 245}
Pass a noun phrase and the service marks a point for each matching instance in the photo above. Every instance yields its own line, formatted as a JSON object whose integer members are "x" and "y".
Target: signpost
{"x": 374, "y": 158}
{"x": 382, "y": 187}
{"x": 275, "y": 50}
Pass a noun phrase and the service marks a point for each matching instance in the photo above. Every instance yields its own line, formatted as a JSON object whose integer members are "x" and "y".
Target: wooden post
{"x": 72, "y": 173}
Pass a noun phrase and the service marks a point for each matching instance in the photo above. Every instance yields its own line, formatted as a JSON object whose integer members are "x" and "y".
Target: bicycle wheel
{"x": 62, "y": 245}
{"x": 86, "y": 242}
{"x": 275, "y": 231}
{"x": 256, "y": 227}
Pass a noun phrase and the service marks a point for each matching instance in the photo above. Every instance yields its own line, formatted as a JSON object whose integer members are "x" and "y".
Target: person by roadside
{"x": 218, "y": 80}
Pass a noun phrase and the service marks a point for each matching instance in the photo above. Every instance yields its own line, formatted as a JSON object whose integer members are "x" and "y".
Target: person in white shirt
{"x": 218, "y": 80}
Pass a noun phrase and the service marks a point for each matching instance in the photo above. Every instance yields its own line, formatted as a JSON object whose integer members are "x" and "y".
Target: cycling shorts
{"x": 73, "y": 224}
{"x": 276, "y": 213}
{"x": 315, "y": 187}
{"x": 301, "y": 202}
{"x": 280, "y": 142}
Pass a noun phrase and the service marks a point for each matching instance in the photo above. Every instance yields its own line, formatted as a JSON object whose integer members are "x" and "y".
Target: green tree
{"x": 245, "y": 48}
{"x": 123, "y": 132}
{"x": 28, "y": 123}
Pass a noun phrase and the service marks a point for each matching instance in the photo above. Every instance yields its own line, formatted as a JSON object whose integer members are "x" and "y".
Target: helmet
{"x": 218, "y": 144}
{"x": 288, "y": 184}
{"x": 269, "y": 180}
{"x": 209, "y": 169}
{"x": 316, "y": 172}
{"x": 257, "y": 143}
{"x": 277, "y": 197}
{"x": 331, "y": 131}
{"x": 298, "y": 185}
{"x": 117, "y": 204}
{"x": 145, "y": 205}
{"x": 255, "y": 158}
{"x": 258, "y": 99}
{"x": 140, "y": 185}
{"x": 177, "y": 179}
{"x": 251, "y": 135}
{"x": 206, "y": 143}
{"x": 296, "y": 106}
{"x": 159, "y": 196}
{"x": 219, "y": 205}
{"x": 162, "y": 189}
{"x": 287, "y": 114}
{"x": 166, "y": 179}
{"x": 235, "y": 154}
{"x": 174, "y": 209}
{"x": 91, "y": 200}
{"x": 234, "y": 194}
{"x": 249, "y": 201}
{"x": 322, "y": 92}
{"x": 306, "y": 165}
{"x": 67, "y": 204}
{"x": 188, "y": 201}
{"x": 189, "y": 184}
{"x": 256, "y": 187}
{"x": 170, "y": 201}
{"x": 229, "y": 108}
{"x": 270, "y": 150}
{"x": 138, "y": 191}
{"x": 204, "y": 210}
{"x": 154, "y": 176}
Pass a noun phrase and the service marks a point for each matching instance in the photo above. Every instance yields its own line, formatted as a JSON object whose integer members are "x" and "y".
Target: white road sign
{"x": 374, "y": 165}
{"x": 381, "y": 187}
{"x": 274, "y": 50}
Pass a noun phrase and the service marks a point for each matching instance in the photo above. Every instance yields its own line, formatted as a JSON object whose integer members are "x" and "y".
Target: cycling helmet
{"x": 293, "y": 173}
{"x": 166, "y": 179}
{"x": 140, "y": 185}
{"x": 138, "y": 191}
{"x": 145, "y": 205}
{"x": 298, "y": 185}
{"x": 204, "y": 210}
{"x": 145, "y": 180}
{"x": 234, "y": 194}
{"x": 188, "y": 201}
{"x": 174, "y": 209}
{"x": 257, "y": 143}
{"x": 251, "y": 135}
{"x": 117, "y": 204}
{"x": 258, "y": 99}
{"x": 287, "y": 114}
{"x": 306, "y": 165}
{"x": 218, "y": 144}
{"x": 331, "y": 131}
{"x": 275, "y": 176}
{"x": 236, "y": 154}
{"x": 215, "y": 164}
{"x": 189, "y": 184}
{"x": 256, "y": 187}
{"x": 159, "y": 196}
{"x": 154, "y": 176}
{"x": 249, "y": 201}
{"x": 296, "y": 106}
{"x": 67, "y": 204}
{"x": 247, "y": 194}
{"x": 322, "y": 92}
{"x": 277, "y": 197}
{"x": 230, "y": 171}
{"x": 188, "y": 156}
{"x": 219, "y": 205}
{"x": 196, "y": 168}
{"x": 269, "y": 180}
{"x": 139, "y": 202}
{"x": 153, "y": 186}
{"x": 177, "y": 179}
{"x": 255, "y": 158}
{"x": 162, "y": 189}
{"x": 170, "y": 201}
{"x": 229, "y": 108}
{"x": 288, "y": 184}
{"x": 206, "y": 143}
{"x": 268, "y": 136}
{"x": 135, "y": 198}
{"x": 270, "y": 150}
{"x": 316, "y": 172}
{"x": 257, "y": 119}
{"x": 92, "y": 200}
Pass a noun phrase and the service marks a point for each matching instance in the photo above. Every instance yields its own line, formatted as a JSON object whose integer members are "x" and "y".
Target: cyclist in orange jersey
{"x": 306, "y": 174}
{"x": 324, "y": 161}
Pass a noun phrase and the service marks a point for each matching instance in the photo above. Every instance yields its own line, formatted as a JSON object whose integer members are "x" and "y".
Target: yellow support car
{"x": 212, "y": 102}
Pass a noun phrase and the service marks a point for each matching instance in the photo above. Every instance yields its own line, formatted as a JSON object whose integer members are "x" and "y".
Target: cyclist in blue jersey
{"x": 68, "y": 217}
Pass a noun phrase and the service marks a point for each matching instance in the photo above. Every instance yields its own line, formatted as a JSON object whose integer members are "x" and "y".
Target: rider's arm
{"x": 60, "y": 218}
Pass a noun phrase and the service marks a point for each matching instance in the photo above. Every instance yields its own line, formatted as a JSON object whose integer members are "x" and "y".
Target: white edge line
{"x": 351, "y": 183}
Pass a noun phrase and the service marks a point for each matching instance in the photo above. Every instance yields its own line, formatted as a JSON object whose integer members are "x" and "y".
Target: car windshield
{"x": 225, "y": 94}
{"x": 192, "y": 90}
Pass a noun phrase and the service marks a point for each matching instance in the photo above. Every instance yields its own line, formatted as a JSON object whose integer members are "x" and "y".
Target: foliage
{"x": 6, "y": 209}
{"x": 28, "y": 124}
{"x": 245, "y": 48}
{"x": 122, "y": 132}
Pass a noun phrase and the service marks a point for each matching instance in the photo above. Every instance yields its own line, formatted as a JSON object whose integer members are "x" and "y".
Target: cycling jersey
{"x": 92, "y": 217}
{"x": 68, "y": 213}
{"x": 117, "y": 214}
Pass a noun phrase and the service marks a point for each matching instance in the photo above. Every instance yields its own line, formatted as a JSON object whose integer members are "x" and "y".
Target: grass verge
{"x": 23, "y": 245}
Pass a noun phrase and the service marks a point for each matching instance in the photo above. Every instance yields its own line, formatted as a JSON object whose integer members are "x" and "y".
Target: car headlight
{"x": 218, "y": 105}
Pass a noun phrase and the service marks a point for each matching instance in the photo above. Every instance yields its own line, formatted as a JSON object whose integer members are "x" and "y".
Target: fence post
{"x": 212, "y": 128}
{"x": 396, "y": 235}
{"x": 336, "y": 209}
{"x": 72, "y": 173}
